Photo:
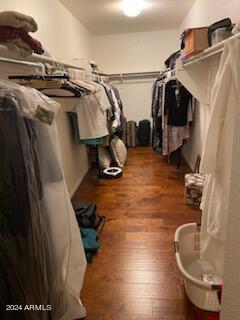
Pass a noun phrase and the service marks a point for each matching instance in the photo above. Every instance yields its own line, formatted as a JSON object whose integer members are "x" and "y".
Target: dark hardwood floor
{"x": 134, "y": 275}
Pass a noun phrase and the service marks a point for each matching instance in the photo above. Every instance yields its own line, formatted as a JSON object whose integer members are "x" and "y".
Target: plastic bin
{"x": 203, "y": 295}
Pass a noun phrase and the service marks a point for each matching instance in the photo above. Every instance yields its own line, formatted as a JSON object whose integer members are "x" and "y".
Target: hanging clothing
{"x": 119, "y": 100}
{"x": 171, "y": 112}
{"x": 78, "y": 77}
{"x": 34, "y": 196}
{"x": 24, "y": 252}
{"x": 107, "y": 89}
{"x": 34, "y": 105}
{"x": 117, "y": 107}
{"x": 102, "y": 97}
{"x": 171, "y": 60}
{"x": 75, "y": 130}
{"x": 92, "y": 117}
{"x": 173, "y": 137}
{"x": 64, "y": 236}
{"x": 157, "y": 94}
{"x": 217, "y": 155}
{"x": 67, "y": 89}
{"x": 52, "y": 86}
{"x": 117, "y": 112}
{"x": 176, "y": 103}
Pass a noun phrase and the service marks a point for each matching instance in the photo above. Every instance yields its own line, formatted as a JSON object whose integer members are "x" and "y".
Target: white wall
{"x": 135, "y": 52}
{"x": 204, "y": 13}
{"x": 194, "y": 146}
{"x": 136, "y": 98}
{"x": 65, "y": 37}
{"x": 74, "y": 157}
{"x": 58, "y": 30}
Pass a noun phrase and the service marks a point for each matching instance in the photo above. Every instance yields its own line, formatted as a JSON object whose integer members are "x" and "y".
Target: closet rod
{"x": 10, "y": 55}
{"x": 25, "y": 63}
{"x": 135, "y": 75}
{"x": 100, "y": 73}
{"x": 40, "y": 64}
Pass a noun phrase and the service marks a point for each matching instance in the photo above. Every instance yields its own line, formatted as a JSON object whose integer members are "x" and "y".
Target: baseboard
{"x": 77, "y": 184}
{"x": 74, "y": 189}
{"x": 187, "y": 163}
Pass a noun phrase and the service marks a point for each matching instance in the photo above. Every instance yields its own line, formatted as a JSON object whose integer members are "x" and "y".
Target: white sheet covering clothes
{"x": 217, "y": 154}
{"x": 33, "y": 105}
{"x": 64, "y": 237}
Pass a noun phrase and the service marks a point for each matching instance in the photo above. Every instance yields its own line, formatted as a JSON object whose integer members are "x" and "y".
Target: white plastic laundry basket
{"x": 187, "y": 252}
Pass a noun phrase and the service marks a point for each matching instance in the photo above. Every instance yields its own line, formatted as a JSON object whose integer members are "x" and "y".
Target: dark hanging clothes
{"x": 177, "y": 99}
{"x": 157, "y": 93}
{"x": 118, "y": 97}
{"x": 171, "y": 60}
{"x": 25, "y": 267}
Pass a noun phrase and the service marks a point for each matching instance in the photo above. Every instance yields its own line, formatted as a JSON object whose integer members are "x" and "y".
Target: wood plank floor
{"x": 134, "y": 275}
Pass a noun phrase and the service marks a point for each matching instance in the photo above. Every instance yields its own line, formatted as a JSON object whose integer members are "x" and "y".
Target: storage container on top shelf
{"x": 196, "y": 40}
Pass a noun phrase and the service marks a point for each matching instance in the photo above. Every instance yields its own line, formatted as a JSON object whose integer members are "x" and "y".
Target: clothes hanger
{"x": 42, "y": 76}
{"x": 77, "y": 77}
{"x": 37, "y": 77}
{"x": 121, "y": 77}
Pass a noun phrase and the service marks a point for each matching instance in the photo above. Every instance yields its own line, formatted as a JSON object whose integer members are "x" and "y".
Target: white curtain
{"x": 217, "y": 154}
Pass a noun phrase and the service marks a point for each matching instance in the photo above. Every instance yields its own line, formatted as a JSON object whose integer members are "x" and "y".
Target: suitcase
{"x": 131, "y": 134}
{"x": 144, "y": 131}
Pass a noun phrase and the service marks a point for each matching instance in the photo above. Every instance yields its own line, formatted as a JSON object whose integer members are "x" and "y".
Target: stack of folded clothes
{"x": 14, "y": 33}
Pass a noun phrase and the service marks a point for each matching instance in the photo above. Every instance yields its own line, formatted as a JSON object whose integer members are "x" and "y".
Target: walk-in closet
{"x": 119, "y": 159}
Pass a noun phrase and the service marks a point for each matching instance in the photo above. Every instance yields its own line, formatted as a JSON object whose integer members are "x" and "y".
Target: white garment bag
{"x": 217, "y": 156}
{"x": 64, "y": 231}
{"x": 60, "y": 224}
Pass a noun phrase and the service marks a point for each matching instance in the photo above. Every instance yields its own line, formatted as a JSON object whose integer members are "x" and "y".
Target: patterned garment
{"x": 157, "y": 93}
{"x": 173, "y": 137}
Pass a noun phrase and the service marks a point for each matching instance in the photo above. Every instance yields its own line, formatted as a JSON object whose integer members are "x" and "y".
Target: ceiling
{"x": 105, "y": 16}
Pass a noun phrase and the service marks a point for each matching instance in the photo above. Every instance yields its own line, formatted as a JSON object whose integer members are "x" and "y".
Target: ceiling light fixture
{"x": 132, "y": 8}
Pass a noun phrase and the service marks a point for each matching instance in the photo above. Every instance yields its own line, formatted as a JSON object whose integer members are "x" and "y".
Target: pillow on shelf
{"x": 105, "y": 157}
{"x": 119, "y": 151}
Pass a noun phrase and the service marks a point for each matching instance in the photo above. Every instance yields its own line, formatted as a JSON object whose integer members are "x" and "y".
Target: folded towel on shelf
{"x": 18, "y": 20}
{"x": 10, "y": 33}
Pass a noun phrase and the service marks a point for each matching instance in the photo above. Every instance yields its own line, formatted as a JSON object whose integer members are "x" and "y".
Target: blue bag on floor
{"x": 90, "y": 242}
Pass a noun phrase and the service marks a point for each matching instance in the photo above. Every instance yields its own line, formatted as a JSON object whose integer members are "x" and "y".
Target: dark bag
{"x": 86, "y": 215}
{"x": 131, "y": 134}
{"x": 144, "y": 132}
{"x": 224, "y": 23}
{"x": 90, "y": 242}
